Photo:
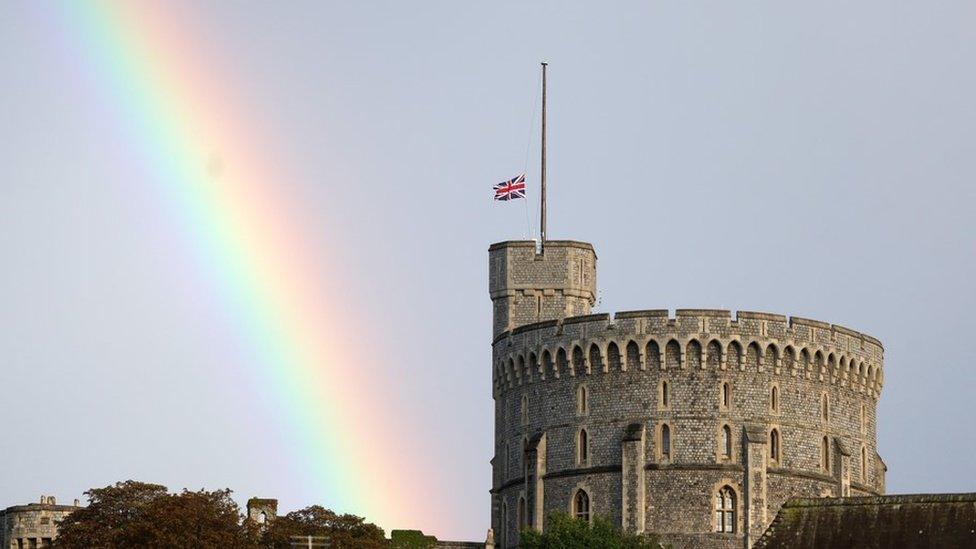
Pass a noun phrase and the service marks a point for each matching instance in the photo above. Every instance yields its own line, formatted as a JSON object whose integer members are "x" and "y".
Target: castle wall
{"x": 622, "y": 362}
{"x": 32, "y": 526}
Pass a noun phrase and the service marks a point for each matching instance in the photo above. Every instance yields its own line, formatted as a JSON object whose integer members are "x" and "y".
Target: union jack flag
{"x": 511, "y": 189}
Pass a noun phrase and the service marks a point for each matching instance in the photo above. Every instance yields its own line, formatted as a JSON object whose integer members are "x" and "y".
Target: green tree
{"x": 137, "y": 514}
{"x": 565, "y": 532}
{"x": 343, "y": 531}
{"x": 411, "y": 539}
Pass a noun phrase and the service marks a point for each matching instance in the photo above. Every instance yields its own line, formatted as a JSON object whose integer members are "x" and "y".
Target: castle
{"x": 696, "y": 427}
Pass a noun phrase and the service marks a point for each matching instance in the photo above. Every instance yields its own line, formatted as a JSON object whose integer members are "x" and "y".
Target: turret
{"x": 527, "y": 287}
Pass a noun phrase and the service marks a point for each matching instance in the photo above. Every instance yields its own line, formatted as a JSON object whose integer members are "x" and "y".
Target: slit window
{"x": 726, "y": 441}
{"x": 582, "y": 447}
{"x": 665, "y": 442}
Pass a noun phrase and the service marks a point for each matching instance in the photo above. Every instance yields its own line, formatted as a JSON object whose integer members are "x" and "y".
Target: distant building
{"x": 262, "y": 510}
{"x": 34, "y": 525}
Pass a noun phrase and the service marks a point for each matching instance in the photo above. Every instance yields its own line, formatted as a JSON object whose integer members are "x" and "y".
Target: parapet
{"x": 529, "y": 285}
{"x": 697, "y": 337}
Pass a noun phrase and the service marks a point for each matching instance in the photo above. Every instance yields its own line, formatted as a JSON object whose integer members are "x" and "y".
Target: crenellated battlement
{"x": 699, "y": 338}
{"x": 694, "y": 423}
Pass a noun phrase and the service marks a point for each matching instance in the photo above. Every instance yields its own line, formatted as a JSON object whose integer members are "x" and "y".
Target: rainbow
{"x": 173, "y": 107}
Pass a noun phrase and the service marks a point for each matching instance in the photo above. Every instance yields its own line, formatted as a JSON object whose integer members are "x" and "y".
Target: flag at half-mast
{"x": 511, "y": 189}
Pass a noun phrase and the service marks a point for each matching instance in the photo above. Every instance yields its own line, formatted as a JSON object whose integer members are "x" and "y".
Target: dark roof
{"x": 912, "y": 521}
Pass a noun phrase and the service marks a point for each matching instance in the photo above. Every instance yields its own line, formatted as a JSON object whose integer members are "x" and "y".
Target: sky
{"x": 814, "y": 160}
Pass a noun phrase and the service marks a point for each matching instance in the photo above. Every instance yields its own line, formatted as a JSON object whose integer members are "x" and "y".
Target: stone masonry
{"x": 33, "y": 526}
{"x": 696, "y": 426}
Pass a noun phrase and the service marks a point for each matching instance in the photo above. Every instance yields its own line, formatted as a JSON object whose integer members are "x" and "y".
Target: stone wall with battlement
{"x": 703, "y": 376}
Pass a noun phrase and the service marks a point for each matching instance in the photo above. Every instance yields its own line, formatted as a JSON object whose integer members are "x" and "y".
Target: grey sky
{"x": 811, "y": 159}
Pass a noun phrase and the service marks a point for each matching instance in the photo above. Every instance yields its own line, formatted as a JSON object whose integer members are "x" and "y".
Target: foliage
{"x": 565, "y": 532}
{"x": 343, "y": 531}
{"x": 137, "y": 514}
{"x": 411, "y": 539}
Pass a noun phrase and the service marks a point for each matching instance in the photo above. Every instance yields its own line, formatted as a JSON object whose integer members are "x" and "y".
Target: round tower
{"x": 696, "y": 426}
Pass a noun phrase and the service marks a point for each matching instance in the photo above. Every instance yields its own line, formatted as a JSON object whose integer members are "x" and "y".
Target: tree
{"x": 343, "y": 531}
{"x": 137, "y": 514}
{"x": 565, "y": 532}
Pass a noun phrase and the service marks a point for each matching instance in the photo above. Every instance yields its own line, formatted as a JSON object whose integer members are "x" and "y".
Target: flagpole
{"x": 542, "y": 195}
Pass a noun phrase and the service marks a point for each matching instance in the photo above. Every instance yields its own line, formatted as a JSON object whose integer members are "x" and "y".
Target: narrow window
{"x": 774, "y": 399}
{"x": 774, "y": 445}
{"x": 581, "y": 506}
{"x": 521, "y": 514}
{"x": 665, "y": 400}
{"x": 525, "y": 410}
{"x": 665, "y": 442}
{"x": 825, "y": 454}
{"x": 726, "y": 441}
{"x": 825, "y": 407}
{"x": 504, "y": 525}
{"x": 725, "y": 395}
{"x": 864, "y": 464}
{"x": 725, "y": 511}
{"x": 581, "y": 400}
{"x": 582, "y": 447}
{"x": 863, "y": 428}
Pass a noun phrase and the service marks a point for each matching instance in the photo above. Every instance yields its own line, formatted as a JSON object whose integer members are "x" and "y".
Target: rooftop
{"x": 909, "y": 521}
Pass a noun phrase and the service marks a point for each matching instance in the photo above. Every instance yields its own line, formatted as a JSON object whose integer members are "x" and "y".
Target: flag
{"x": 511, "y": 189}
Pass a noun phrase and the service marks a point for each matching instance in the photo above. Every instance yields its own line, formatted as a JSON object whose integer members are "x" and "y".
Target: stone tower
{"x": 695, "y": 424}
{"x": 527, "y": 287}
{"x": 262, "y": 510}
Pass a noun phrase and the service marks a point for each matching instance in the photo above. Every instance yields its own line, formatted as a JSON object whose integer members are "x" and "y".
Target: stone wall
{"x": 623, "y": 363}
{"x": 32, "y": 526}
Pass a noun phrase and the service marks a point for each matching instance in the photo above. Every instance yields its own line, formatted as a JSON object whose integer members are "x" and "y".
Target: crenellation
{"x": 656, "y": 414}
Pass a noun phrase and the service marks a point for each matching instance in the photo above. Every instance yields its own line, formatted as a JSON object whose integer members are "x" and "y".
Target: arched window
{"x": 596, "y": 359}
{"x": 581, "y": 403}
{"x": 524, "y": 410}
{"x": 726, "y": 396}
{"x": 613, "y": 358}
{"x": 774, "y": 445}
{"x": 733, "y": 354}
{"x": 263, "y": 518}
{"x": 672, "y": 355}
{"x": 522, "y": 522}
{"x": 693, "y": 354}
{"x": 665, "y": 442}
{"x": 726, "y": 442}
{"x": 581, "y": 506}
{"x": 665, "y": 396}
{"x": 725, "y": 510}
{"x": 713, "y": 354}
{"x": 774, "y": 399}
{"x": 825, "y": 407}
{"x": 582, "y": 447}
{"x": 579, "y": 361}
{"x": 633, "y": 356}
{"x": 825, "y": 454}
{"x": 652, "y": 355}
